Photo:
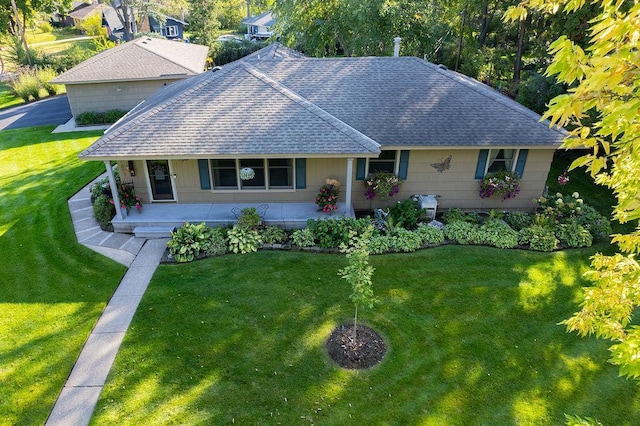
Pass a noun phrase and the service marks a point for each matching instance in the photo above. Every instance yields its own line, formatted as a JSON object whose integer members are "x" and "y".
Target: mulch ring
{"x": 367, "y": 351}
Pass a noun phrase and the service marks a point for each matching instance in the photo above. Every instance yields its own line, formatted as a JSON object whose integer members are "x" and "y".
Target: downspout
{"x": 349, "y": 184}
{"x": 396, "y": 46}
{"x": 114, "y": 189}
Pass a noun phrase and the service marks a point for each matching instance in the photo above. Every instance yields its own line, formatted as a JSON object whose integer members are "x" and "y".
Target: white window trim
{"x": 171, "y": 31}
{"x": 238, "y": 188}
{"x": 516, "y": 155}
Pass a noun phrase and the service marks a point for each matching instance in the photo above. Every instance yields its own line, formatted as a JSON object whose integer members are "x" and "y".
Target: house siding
{"x": 455, "y": 187}
{"x": 102, "y": 97}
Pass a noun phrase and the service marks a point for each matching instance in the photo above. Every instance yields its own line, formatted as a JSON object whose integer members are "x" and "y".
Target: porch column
{"x": 349, "y": 179}
{"x": 114, "y": 189}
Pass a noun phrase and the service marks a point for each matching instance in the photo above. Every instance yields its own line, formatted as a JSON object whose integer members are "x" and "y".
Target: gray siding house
{"x": 124, "y": 76}
{"x": 297, "y": 121}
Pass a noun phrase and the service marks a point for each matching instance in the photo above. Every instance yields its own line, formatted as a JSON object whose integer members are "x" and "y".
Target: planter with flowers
{"x": 503, "y": 184}
{"x": 382, "y": 186}
{"x": 128, "y": 198}
{"x": 327, "y": 198}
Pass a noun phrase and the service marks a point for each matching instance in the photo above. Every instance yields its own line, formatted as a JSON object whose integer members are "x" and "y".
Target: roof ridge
{"x": 330, "y": 119}
{"x": 488, "y": 92}
{"x": 165, "y": 57}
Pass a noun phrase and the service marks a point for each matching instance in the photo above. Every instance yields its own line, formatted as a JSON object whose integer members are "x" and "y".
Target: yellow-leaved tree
{"x": 604, "y": 80}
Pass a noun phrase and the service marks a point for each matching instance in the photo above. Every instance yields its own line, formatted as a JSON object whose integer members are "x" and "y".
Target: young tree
{"x": 203, "y": 21}
{"x": 358, "y": 272}
{"x": 605, "y": 79}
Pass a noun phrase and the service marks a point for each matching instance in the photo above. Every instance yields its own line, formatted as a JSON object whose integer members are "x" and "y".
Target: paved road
{"x": 53, "y": 110}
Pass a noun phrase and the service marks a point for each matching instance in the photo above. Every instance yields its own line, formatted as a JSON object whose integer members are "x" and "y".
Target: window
{"x": 273, "y": 173}
{"x": 280, "y": 173}
{"x": 386, "y": 162}
{"x": 171, "y": 31}
{"x": 258, "y": 181}
{"x": 224, "y": 174}
{"x": 494, "y": 160}
{"x": 501, "y": 159}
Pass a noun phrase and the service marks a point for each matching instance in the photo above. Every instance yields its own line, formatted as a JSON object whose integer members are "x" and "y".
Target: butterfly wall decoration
{"x": 444, "y": 165}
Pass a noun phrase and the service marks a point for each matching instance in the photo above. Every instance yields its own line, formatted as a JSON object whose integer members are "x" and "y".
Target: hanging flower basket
{"x": 247, "y": 173}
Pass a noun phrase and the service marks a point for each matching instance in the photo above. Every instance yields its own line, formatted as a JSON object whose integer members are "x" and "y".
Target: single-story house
{"x": 124, "y": 76}
{"x": 259, "y": 27}
{"x": 168, "y": 27}
{"x": 296, "y": 121}
{"x": 80, "y": 10}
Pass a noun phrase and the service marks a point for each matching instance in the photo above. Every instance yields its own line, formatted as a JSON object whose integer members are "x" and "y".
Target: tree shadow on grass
{"x": 241, "y": 338}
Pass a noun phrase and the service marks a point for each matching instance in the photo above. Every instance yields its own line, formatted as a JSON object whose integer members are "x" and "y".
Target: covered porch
{"x": 162, "y": 217}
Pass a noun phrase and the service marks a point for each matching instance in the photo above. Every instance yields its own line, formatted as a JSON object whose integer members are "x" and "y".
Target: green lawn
{"x": 7, "y": 98}
{"x": 52, "y": 289}
{"x": 473, "y": 335}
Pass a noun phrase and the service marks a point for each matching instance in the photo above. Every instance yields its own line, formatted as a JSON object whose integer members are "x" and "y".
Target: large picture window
{"x": 273, "y": 173}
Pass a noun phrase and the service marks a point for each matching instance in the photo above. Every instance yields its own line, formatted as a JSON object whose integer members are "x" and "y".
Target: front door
{"x": 160, "y": 180}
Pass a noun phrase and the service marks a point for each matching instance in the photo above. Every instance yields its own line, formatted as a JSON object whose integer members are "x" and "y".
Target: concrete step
{"x": 152, "y": 231}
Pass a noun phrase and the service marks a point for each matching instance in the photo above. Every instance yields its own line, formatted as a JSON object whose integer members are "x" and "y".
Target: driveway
{"x": 48, "y": 111}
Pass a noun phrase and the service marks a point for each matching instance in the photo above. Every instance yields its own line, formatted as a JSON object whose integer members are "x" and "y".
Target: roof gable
{"x": 140, "y": 59}
{"x": 215, "y": 114}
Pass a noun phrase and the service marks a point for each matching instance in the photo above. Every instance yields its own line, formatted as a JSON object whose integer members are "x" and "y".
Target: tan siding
{"x": 456, "y": 187}
{"x": 102, "y": 97}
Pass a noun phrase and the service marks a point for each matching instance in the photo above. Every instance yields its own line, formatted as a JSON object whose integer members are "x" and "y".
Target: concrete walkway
{"x": 80, "y": 394}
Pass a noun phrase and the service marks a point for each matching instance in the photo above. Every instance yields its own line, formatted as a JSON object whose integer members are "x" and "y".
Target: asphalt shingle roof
{"x": 141, "y": 59}
{"x": 253, "y": 115}
{"x": 277, "y": 102}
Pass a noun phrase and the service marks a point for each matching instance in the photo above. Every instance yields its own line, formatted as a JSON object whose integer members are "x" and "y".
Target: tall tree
{"x": 203, "y": 21}
{"x": 605, "y": 79}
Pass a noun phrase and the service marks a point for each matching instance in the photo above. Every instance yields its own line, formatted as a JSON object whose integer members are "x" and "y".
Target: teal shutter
{"x": 522, "y": 160}
{"x": 403, "y": 167}
{"x": 301, "y": 173}
{"x": 203, "y": 169}
{"x": 482, "y": 163}
{"x": 361, "y": 168}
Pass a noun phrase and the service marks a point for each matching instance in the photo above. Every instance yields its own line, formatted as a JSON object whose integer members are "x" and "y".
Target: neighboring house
{"x": 171, "y": 28}
{"x": 297, "y": 121}
{"x": 115, "y": 28}
{"x": 259, "y": 27}
{"x": 80, "y": 10}
{"x": 124, "y": 76}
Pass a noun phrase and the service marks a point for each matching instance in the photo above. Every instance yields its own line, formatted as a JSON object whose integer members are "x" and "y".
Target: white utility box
{"x": 429, "y": 203}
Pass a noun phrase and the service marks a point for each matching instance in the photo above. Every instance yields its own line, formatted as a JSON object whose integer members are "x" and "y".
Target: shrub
{"x": 330, "y": 233}
{"x": 45, "y": 27}
{"x": 429, "y": 234}
{"x": 406, "y": 214}
{"x": 44, "y": 76}
{"x": 249, "y": 219}
{"x": 104, "y": 211}
{"x": 540, "y": 238}
{"x": 462, "y": 232}
{"x": 303, "y": 237}
{"x": 573, "y": 235}
{"x": 26, "y": 85}
{"x": 243, "y": 240}
{"x": 223, "y": 53}
{"x": 454, "y": 215}
{"x": 498, "y": 234}
{"x": 380, "y": 244}
{"x": 405, "y": 241}
{"x": 190, "y": 241}
{"x": 559, "y": 208}
{"x": 94, "y": 117}
{"x": 518, "y": 220}
{"x": 273, "y": 235}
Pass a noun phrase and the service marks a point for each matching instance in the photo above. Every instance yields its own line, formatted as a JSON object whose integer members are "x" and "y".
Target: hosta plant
{"x": 243, "y": 240}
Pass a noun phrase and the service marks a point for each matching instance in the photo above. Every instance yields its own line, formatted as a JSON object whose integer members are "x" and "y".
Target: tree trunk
{"x": 248, "y": 9}
{"x": 484, "y": 25}
{"x": 517, "y": 66}
{"x": 21, "y": 31}
{"x": 463, "y": 15}
{"x": 125, "y": 18}
{"x": 355, "y": 326}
